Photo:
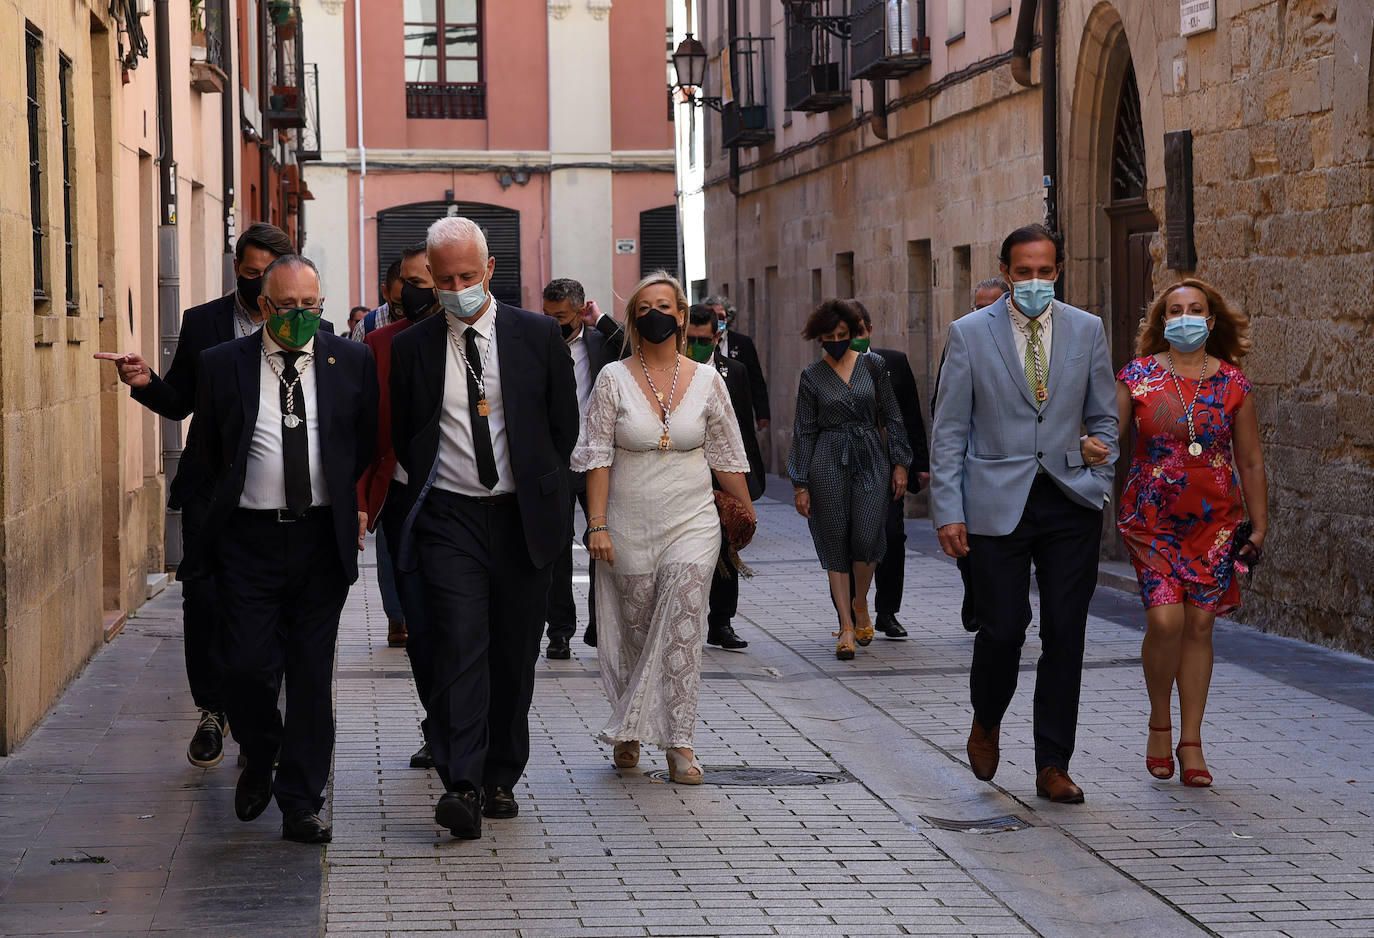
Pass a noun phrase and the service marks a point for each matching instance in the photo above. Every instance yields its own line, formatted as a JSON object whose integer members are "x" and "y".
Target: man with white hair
{"x": 286, "y": 419}
{"x": 483, "y": 420}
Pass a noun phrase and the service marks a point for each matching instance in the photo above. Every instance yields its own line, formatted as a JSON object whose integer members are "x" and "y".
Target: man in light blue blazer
{"x": 1022, "y": 380}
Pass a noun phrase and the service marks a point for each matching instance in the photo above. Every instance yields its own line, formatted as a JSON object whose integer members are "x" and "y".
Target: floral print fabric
{"x": 1179, "y": 512}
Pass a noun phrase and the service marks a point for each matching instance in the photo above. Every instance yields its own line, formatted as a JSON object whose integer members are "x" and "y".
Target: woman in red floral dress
{"x": 1196, "y": 468}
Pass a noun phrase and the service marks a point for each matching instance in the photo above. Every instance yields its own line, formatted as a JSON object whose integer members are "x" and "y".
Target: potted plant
{"x": 282, "y": 12}
{"x": 198, "y": 31}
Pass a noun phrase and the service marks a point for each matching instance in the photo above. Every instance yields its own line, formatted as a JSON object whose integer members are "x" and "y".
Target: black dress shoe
{"x": 724, "y": 636}
{"x": 887, "y": 624}
{"x": 422, "y": 759}
{"x": 461, "y": 813}
{"x": 206, "y": 748}
{"x": 589, "y": 636}
{"x": 305, "y": 828}
{"x": 253, "y": 793}
{"x": 500, "y": 802}
{"x": 559, "y": 649}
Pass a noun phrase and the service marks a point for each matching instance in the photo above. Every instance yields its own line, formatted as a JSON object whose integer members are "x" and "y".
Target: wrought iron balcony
{"x": 887, "y": 39}
{"x": 746, "y": 119}
{"x": 446, "y": 100}
{"x": 285, "y": 102}
{"x": 817, "y": 56}
{"x": 308, "y": 135}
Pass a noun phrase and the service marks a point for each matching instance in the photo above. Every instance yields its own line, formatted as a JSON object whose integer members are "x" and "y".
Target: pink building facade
{"x": 545, "y": 121}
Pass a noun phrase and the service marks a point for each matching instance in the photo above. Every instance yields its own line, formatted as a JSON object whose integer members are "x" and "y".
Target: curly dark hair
{"x": 1230, "y": 337}
{"x": 828, "y": 315}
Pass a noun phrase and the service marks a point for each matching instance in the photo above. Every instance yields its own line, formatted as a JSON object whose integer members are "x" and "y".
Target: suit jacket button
{"x": 1040, "y": 418}
{"x": 1039, "y": 455}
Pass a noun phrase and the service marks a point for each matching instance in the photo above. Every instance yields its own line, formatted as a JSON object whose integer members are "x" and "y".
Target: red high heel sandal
{"x": 1194, "y": 778}
{"x": 1160, "y": 767}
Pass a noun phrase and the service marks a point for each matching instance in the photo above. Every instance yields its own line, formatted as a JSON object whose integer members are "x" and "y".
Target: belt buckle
{"x": 284, "y": 516}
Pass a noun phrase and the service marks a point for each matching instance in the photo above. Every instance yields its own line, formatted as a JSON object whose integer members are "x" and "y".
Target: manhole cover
{"x": 990, "y": 825}
{"x": 763, "y": 777}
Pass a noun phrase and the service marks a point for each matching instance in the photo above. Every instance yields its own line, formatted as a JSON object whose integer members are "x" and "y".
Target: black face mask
{"x": 416, "y": 302}
{"x": 656, "y": 326}
{"x": 250, "y": 290}
{"x": 836, "y": 349}
{"x": 567, "y": 329}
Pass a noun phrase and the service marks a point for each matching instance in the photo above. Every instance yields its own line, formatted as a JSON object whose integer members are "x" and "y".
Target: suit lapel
{"x": 1059, "y": 344}
{"x": 433, "y": 353}
{"x": 249, "y": 375}
{"x": 999, "y": 324}
{"x": 224, "y": 322}
{"x": 507, "y": 356}
{"x": 325, "y": 382}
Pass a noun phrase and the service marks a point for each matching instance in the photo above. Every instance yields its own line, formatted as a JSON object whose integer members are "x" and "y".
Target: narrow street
{"x": 105, "y": 829}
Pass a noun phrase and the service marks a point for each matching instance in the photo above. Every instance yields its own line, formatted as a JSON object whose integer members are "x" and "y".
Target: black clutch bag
{"x": 1245, "y": 556}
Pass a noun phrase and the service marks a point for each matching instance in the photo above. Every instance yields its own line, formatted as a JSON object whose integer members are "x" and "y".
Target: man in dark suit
{"x": 234, "y": 315}
{"x": 739, "y": 347}
{"x": 595, "y": 340}
{"x": 483, "y": 420}
{"x": 287, "y": 422}
{"x": 890, "y": 576}
{"x": 383, "y": 492}
{"x": 704, "y": 332}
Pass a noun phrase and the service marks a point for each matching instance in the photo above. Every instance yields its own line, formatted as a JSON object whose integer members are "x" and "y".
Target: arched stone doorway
{"x": 1110, "y": 226}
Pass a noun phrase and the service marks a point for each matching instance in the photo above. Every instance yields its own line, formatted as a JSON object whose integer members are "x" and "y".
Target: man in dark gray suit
{"x": 595, "y": 340}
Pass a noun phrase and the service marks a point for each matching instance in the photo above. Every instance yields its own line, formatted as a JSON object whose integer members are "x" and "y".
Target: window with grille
{"x": 443, "y": 59}
{"x": 64, "y": 89}
{"x": 33, "y": 51}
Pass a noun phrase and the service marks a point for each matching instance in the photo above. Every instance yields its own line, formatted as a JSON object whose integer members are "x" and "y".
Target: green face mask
{"x": 293, "y": 326}
{"x": 859, "y": 345}
{"x": 700, "y": 351}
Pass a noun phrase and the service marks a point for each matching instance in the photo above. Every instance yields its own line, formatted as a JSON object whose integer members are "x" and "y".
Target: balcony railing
{"x": 285, "y": 71}
{"x": 446, "y": 100}
{"x": 888, "y": 40}
{"x": 308, "y": 135}
{"x": 817, "y": 61}
{"x": 746, "y": 120}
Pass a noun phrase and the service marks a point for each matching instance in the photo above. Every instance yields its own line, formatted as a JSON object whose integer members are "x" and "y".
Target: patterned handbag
{"x": 736, "y": 520}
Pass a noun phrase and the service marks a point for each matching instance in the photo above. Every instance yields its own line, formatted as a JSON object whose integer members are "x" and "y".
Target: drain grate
{"x": 758, "y": 776}
{"x": 991, "y": 825}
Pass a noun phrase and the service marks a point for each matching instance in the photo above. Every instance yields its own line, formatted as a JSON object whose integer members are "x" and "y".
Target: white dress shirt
{"x": 582, "y": 369}
{"x": 457, "y": 470}
{"x": 264, "y": 480}
{"x": 1020, "y": 331}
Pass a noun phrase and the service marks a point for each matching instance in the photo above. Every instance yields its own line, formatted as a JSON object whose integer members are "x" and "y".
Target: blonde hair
{"x": 654, "y": 279}
{"x": 1230, "y": 336}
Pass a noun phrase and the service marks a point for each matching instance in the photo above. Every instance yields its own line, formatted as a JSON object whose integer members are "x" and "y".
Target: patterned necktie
{"x": 1035, "y": 352}
{"x": 481, "y": 429}
{"x": 295, "y": 444}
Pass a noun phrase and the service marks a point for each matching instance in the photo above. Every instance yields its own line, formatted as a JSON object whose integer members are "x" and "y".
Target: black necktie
{"x": 481, "y": 431}
{"x": 294, "y": 440}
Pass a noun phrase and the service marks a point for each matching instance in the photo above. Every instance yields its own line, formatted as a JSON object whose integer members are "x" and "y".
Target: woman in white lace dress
{"x": 657, "y": 426}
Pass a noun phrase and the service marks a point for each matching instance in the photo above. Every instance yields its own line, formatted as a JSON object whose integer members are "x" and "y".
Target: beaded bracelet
{"x": 598, "y": 528}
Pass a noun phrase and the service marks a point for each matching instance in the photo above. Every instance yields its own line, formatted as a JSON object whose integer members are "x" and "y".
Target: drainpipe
{"x": 1049, "y": 91}
{"x": 362, "y": 150}
{"x": 228, "y": 137}
{"x": 1021, "y": 45}
{"x": 168, "y": 269}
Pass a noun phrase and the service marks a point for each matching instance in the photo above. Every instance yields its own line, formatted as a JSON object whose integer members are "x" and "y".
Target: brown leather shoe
{"x": 396, "y": 634}
{"x": 1054, "y": 783}
{"x": 983, "y": 751}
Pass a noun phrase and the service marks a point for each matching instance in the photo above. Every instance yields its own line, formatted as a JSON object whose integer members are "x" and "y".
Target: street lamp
{"x": 689, "y": 64}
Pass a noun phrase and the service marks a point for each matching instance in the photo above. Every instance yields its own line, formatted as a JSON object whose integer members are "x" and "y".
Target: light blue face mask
{"x": 1187, "y": 333}
{"x": 1032, "y": 296}
{"x": 464, "y": 303}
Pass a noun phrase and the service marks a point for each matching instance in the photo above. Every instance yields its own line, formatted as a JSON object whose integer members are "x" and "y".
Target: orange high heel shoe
{"x": 844, "y": 650}
{"x": 1161, "y": 767}
{"x": 863, "y": 625}
{"x": 1194, "y": 778}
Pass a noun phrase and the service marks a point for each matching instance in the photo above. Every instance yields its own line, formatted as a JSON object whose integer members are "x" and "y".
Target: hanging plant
{"x": 282, "y": 12}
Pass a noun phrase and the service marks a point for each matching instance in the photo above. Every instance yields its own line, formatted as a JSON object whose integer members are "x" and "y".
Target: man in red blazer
{"x": 383, "y": 493}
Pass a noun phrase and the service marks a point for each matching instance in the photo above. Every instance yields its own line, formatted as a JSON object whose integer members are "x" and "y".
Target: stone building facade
{"x": 898, "y": 190}
{"x": 84, "y": 268}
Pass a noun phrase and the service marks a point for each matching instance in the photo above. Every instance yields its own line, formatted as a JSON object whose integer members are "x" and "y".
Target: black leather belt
{"x": 505, "y": 498}
{"x": 284, "y": 516}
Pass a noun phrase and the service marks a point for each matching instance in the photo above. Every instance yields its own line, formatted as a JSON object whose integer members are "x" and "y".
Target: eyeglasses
{"x": 290, "y": 313}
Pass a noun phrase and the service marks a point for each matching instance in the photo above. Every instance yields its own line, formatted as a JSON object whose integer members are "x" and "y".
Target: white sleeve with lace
{"x": 596, "y": 443}
{"x": 724, "y": 446}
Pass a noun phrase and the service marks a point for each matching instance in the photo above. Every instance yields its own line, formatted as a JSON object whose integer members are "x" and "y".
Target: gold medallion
{"x": 1194, "y": 448}
{"x": 1041, "y": 394}
{"x": 664, "y": 442}
{"x": 483, "y": 408}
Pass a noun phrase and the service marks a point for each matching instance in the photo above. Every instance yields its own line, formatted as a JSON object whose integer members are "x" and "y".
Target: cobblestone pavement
{"x": 1282, "y": 846}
